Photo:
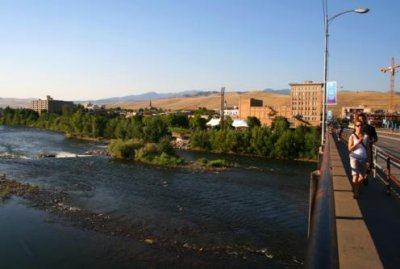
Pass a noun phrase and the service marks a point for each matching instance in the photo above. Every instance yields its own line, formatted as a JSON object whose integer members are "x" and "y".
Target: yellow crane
{"x": 392, "y": 69}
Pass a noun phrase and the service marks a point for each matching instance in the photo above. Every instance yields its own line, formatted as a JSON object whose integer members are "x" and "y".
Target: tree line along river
{"x": 253, "y": 215}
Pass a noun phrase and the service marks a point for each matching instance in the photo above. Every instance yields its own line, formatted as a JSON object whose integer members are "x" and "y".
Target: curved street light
{"x": 326, "y": 22}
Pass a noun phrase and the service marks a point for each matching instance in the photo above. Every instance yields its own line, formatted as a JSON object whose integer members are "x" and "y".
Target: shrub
{"x": 33, "y": 189}
{"x": 216, "y": 163}
{"x": 5, "y": 194}
{"x": 202, "y": 161}
{"x": 147, "y": 153}
{"x": 125, "y": 150}
{"x": 165, "y": 159}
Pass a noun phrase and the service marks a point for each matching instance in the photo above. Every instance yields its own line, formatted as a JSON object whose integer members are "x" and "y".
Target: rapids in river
{"x": 253, "y": 215}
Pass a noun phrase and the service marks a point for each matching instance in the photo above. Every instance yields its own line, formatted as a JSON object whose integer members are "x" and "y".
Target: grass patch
{"x": 202, "y": 161}
{"x": 32, "y": 189}
{"x": 165, "y": 159}
{"x": 5, "y": 194}
{"x": 217, "y": 163}
{"x": 212, "y": 163}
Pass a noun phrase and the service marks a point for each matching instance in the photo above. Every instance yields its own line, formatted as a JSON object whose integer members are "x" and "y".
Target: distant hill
{"x": 15, "y": 102}
{"x": 190, "y": 100}
{"x": 153, "y": 96}
{"x": 375, "y": 100}
{"x": 282, "y": 91}
{"x": 211, "y": 100}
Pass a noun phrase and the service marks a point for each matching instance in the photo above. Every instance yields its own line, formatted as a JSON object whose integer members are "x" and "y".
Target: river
{"x": 251, "y": 216}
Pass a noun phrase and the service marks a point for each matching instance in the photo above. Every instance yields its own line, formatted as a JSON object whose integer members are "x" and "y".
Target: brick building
{"x": 266, "y": 114}
{"x": 306, "y": 103}
{"x": 304, "y": 108}
{"x": 50, "y": 105}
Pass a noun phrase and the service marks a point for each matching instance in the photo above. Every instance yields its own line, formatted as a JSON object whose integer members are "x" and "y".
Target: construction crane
{"x": 392, "y": 70}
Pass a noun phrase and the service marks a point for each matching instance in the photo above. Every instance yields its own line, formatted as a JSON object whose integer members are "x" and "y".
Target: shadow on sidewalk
{"x": 381, "y": 214}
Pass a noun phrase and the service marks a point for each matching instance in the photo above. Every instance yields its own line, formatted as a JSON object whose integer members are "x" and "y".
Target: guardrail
{"x": 388, "y": 171}
{"x": 322, "y": 243}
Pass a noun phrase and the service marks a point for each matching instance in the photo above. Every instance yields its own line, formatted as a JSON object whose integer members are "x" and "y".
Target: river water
{"x": 251, "y": 216}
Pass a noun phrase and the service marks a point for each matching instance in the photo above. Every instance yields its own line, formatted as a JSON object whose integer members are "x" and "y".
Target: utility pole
{"x": 222, "y": 103}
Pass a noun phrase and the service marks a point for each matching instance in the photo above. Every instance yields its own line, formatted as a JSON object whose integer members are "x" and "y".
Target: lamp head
{"x": 361, "y": 10}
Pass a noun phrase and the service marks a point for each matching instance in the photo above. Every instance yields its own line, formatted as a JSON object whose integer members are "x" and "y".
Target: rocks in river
{"x": 94, "y": 152}
{"x": 179, "y": 239}
{"x": 47, "y": 155}
{"x": 149, "y": 241}
{"x": 97, "y": 152}
{"x": 62, "y": 206}
{"x": 180, "y": 143}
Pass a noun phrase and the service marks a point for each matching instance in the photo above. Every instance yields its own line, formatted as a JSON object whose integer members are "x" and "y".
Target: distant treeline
{"x": 136, "y": 132}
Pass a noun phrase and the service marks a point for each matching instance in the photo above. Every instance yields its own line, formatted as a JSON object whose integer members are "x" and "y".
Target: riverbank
{"x": 95, "y": 140}
{"x": 59, "y": 204}
{"x": 199, "y": 166}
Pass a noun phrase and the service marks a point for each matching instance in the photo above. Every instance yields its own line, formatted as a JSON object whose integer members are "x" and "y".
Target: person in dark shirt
{"x": 341, "y": 127}
{"x": 373, "y": 138}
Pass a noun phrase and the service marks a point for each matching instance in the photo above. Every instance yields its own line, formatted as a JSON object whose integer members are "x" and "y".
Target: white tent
{"x": 239, "y": 124}
{"x": 213, "y": 122}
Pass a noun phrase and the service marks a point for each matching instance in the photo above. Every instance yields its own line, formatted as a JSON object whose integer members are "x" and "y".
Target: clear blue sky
{"x": 76, "y": 50}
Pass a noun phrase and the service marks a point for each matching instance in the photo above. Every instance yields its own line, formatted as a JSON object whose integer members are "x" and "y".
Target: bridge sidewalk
{"x": 366, "y": 228}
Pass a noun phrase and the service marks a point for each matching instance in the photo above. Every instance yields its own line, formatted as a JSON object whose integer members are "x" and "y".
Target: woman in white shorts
{"x": 358, "y": 143}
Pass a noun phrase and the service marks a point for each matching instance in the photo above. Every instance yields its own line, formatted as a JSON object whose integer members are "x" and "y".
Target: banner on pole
{"x": 329, "y": 116}
{"x": 331, "y": 92}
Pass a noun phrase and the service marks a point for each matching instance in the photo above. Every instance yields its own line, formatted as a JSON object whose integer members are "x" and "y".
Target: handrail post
{"x": 314, "y": 179}
{"x": 388, "y": 174}
{"x": 320, "y": 156}
{"x": 374, "y": 160}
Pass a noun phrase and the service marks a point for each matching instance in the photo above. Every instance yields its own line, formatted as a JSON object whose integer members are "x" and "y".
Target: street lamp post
{"x": 326, "y": 24}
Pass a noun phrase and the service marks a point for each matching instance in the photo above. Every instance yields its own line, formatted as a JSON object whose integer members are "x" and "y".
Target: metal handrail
{"x": 322, "y": 242}
{"x": 385, "y": 175}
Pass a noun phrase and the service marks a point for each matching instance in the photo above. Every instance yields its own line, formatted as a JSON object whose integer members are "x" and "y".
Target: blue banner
{"x": 331, "y": 92}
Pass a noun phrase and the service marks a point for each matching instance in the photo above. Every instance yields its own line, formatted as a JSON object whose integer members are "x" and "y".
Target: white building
{"x": 232, "y": 112}
{"x": 93, "y": 107}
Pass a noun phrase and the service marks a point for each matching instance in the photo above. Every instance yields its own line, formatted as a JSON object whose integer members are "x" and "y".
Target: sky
{"x": 87, "y": 50}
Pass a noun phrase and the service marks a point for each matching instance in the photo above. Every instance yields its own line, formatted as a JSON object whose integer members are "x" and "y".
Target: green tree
{"x": 260, "y": 141}
{"x": 154, "y": 129}
{"x": 253, "y": 122}
{"x": 200, "y": 140}
{"x": 223, "y": 140}
{"x": 111, "y": 126}
{"x": 198, "y": 123}
{"x": 280, "y": 124}
{"x": 135, "y": 127}
{"x": 125, "y": 150}
{"x": 177, "y": 120}
{"x": 285, "y": 146}
{"x": 226, "y": 123}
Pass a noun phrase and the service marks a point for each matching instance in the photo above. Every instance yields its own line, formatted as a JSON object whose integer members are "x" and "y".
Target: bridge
{"x": 354, "y": 233}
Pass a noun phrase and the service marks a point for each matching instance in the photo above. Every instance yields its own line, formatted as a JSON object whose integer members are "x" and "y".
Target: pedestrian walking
{"x": 358, "y": 148}
{"x": 341, "y": 127}
{"x": 373, "y": 138}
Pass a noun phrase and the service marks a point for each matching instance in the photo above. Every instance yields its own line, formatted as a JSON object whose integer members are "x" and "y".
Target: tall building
{"x": 306, "y": 103}
{"x": 266, "y": 114}
{"x": 50, "y": 105}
